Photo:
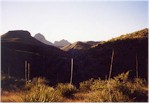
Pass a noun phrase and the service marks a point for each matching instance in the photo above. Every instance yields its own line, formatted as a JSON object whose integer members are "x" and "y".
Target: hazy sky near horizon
{"x": 74, "y": 20}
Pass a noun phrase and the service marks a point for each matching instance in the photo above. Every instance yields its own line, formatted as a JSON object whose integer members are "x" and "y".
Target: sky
{"x": 74, "y": 20}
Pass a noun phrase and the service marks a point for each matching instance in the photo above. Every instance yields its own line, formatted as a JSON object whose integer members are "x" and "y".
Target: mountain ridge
{"x": 51, "y": 62}
{"x": 41, "y": 57}
{"x": 41, "y": 38}
{"x": 58, "y": 44}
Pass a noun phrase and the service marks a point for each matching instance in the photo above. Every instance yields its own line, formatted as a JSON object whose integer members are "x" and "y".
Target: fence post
{"x": 28, "y": 72}
{"x": 25, "y": 71}
{"x": 71, "y": 71}
{"x": 136, "y": 66}
{"x": 110, "y": 71}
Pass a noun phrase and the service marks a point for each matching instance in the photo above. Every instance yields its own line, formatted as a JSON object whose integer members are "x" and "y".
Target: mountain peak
{"x": 61, "y": 43}
{"x": 17, "y": 34}
{"x": 76, "y": 46}
{"x": 39, "y": 36}
{"x": 42, "y": 39}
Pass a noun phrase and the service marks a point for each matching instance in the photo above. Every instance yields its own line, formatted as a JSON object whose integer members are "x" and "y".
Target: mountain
{"x": 79, "y": 47}
{"x": 42, "y": 39}
{"x": 61, "y": 43}
{"x": 58, "y": 44}
{"x": 45, "y": 60}
{"x": 128, "y": 49}
{"x": 90, "y": 60}
{"x": 76, "y": 46}
{"x": 93, "y": 42}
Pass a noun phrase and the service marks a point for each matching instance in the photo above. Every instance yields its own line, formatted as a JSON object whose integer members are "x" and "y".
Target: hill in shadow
{"x": 89, "y": 61}
{"x": 45, "y": 60}
{"x": 95, "y": 62}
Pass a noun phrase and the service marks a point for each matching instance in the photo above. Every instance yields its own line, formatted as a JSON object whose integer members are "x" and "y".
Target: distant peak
{"x": 62, "y": 42}
{"x": 76, "y": 46}
{"x": 39, "y": 36}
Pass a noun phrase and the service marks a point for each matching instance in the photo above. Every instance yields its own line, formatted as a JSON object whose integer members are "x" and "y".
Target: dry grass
{"x": 11, "y": 96}
{"x": 121, "y": 88}
{"x": 17, "y": 97}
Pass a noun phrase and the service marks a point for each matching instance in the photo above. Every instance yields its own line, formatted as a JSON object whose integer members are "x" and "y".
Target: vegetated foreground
{"x": 116, "y": 89}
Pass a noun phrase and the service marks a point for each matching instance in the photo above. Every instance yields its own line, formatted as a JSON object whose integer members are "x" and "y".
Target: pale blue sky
{"x": 74, "y": 20}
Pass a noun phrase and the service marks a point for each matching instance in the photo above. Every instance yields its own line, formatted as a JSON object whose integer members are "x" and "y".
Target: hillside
{"x": 135, "y": 35}
{"x": 76, "y": 46}
{"x": 92, "y": 42}
{"x": 51, "y": 62}
{"x": 45, "y": 60}
{"x": 95, "y": 62}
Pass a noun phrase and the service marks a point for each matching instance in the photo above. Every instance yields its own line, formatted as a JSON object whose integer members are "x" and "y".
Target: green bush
{"x": 66, "y": 90}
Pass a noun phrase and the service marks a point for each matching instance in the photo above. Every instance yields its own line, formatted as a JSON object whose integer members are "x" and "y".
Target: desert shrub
{"x": 11, "y": 83}
{"x": 119, "y": 88}
{"x": 110, "y": 90}
{"x": 66, "y": 90}
{"x": 39, "y": 81}
{"x": 106, "y": 96}
{"x": 139, "y": 83}
{"x": 35, "y": 81}
{"x": 122, "y": 78}
{"x": 135, "y": 89}
{"x": 120, "y": 83}
{"x": 98, "y": 85}
{"x": 86, "y": 85}
{"x": 138, "y": 90}
{"x": 40, "y": 92}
